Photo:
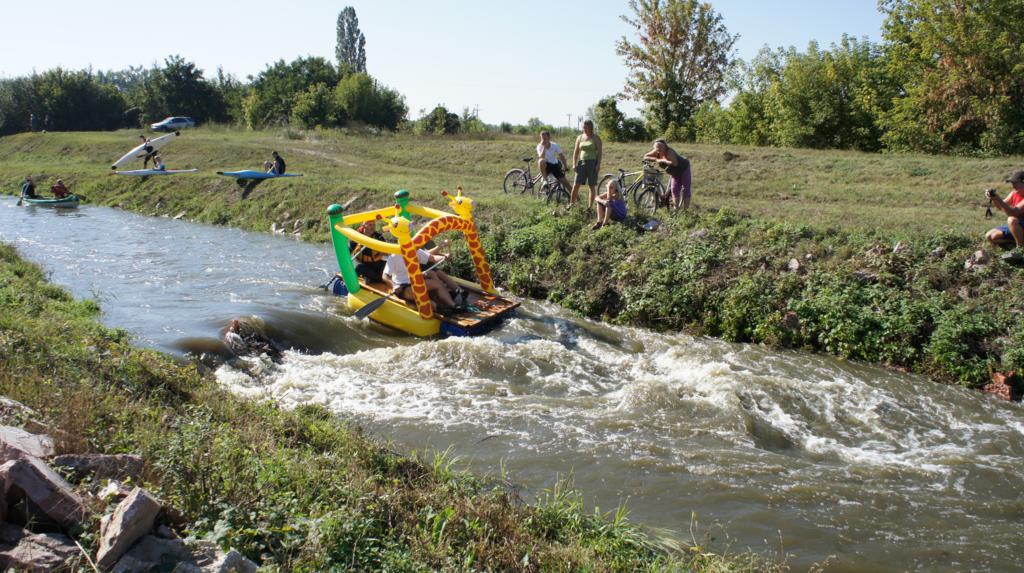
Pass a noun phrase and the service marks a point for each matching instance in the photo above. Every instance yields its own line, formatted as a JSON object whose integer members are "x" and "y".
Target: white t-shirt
{"x": 395, "y": 267}
{"x": 551, "y": 153}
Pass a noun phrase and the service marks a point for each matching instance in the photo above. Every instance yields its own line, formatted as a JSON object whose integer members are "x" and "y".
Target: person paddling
{"x": 28, "y": 188}
{"x": 60, "y": 190}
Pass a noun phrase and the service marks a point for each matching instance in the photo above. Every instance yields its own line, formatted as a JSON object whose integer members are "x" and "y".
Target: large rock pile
{"x": 41, "y": 512}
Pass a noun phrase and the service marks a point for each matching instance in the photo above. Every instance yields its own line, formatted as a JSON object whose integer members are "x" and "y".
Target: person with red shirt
{"x": 1013, "y": 206}
{"x": 60, "y": 190}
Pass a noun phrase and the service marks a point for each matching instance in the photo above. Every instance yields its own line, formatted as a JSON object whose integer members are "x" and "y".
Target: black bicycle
{"x": 649, "y": 193}
{"x": 522, "y": 180}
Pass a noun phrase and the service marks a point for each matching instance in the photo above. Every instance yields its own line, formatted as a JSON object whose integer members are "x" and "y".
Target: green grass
{"x": 296, "y": 490}
{"x": 899, "y": 195}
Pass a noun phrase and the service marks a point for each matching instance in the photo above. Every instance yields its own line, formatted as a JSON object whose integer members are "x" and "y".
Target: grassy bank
{"x": 297, "y": 490}
{"x": 726, "y": 270}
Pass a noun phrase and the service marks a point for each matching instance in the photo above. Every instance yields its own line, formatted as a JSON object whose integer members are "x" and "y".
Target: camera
{"x": 990, "y": 193}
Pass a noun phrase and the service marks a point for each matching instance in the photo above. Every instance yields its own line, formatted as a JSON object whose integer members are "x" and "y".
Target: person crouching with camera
{"x": 1013, "y": 206}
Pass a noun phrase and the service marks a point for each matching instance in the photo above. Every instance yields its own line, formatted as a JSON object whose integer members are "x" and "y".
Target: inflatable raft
{"x": 67, "y": 202}
{"x": 485, "y": 308}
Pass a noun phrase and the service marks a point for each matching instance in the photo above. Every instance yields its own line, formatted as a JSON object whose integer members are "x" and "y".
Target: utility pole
{"x": 568, "y": 122}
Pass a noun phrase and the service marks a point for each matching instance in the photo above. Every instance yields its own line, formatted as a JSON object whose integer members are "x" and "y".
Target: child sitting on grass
{"x": 610, "y": 205}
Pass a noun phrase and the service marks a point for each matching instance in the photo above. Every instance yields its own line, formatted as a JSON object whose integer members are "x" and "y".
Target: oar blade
{"x": 368, "y": 308}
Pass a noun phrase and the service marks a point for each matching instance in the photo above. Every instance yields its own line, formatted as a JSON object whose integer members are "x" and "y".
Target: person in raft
{"x": 278, "y": 166}
{"x": 28, "y": 188}
{"x": 1013, "y": 206}
{"x": 150, "y": 152}
{"x": 371, "y": 263}
{"x": 550, "y": 159}
{"x": 442, "y": 289}
{"x": 610, "y": 205}
{"x": 678, "y": 168}
{"x": 59, "y": 190}
{"x": 586, "y": 159}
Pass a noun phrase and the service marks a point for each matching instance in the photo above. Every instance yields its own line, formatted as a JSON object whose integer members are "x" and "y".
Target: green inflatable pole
{"x": 402, "y": 198}
{"x": 348, "y": 273}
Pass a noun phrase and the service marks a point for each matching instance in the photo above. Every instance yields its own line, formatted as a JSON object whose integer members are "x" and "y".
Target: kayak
{"x": 67, "y": 202}
{"x": 252, "y": 174}
{"x": 139, "y": 151}
{"x": 480, "y": 308}
{"x": 148, "y": 172}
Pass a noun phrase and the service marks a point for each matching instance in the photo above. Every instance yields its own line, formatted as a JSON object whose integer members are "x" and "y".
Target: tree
{"x": 961, "y": 63}
{"x": 351, "y": 47}
{"x": 608, "y": 118}
{"x": 317, "y": 107}
{"x": 440, "y": 121}
{"x": 365, "y": 100}
{"x": 275, "y": 89}
{"x": 681, "y": 60}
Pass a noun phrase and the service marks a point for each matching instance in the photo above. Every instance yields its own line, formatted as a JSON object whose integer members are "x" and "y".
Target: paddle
{"x": 368, "y": 309}
{"x": 21, "y": 199}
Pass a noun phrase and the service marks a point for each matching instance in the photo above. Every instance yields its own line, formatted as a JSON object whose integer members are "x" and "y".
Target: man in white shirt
{"x": 438, "y": 283}
{"x": 550, "y": 159}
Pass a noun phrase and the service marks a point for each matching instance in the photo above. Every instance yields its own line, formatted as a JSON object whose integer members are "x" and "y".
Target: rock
{"x": 166, "y": 532}
{"x": 179, "y": 216}
{"x": 900, "y": 248}
{"x": 978, "y": 259}
{"x": 210, "y": 559}
{"x": 809, "y": 257}
{"x": 794, "y": 265}
{"x": 14, "y": 413}
{"x": 38, "y": 552}
{"x": 865, "y": 276}
{"x": 152, "y": 553}
{"x": 133, "y": 518}
{"x": 699, "y": 234}
{"x": 16, "y": 443}
{"x": 938, "y": 252}
{"x": 728, "y": 156}
{"x": 100, "y": 466}
{"x": 30, "y": 478}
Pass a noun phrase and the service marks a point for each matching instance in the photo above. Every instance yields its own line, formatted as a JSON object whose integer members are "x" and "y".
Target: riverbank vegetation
{"x": 855, "y": 254}
{"x": 295, "y": 490}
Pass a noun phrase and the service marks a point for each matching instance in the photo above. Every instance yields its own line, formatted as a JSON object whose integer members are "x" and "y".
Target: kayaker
{"x": 371, "y": 263}
{"x": 610, "y": 205}
{"x": 279, "y": 166}
{"x": 59, "y": 190}
{"x": 28, "y": 188}
{"x": 439, "y": 285}
{"x": 1013, "y": 206}
{"x": 678, "y": 168}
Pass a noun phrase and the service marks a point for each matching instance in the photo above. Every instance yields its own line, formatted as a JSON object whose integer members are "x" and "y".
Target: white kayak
{"x": 140, "y": 150}
{"x": 148, "y": 172}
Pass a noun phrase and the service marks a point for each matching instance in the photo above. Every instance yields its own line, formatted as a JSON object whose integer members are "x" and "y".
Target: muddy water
{"x": 782, "y": 451}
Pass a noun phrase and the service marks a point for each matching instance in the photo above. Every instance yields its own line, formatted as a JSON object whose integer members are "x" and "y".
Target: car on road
{"x": 173, "y": 124}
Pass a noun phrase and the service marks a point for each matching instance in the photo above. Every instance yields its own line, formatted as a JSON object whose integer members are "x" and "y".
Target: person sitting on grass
{"x": 1013, "y": 206}
{"x": 278, "y": 166}
{"x": 59, "y": 190}
{"x": 158, "y": 162}
{"x": 28, "y": 188}
{"x": 440, "y": 286}
{"x": 610, "y": 205}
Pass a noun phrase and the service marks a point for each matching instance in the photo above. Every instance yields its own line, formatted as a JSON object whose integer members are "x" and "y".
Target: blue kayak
{"x": 253, "y": 174}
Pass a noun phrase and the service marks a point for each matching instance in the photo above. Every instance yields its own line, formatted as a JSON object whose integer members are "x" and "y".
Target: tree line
{"x": 946, "y": 78}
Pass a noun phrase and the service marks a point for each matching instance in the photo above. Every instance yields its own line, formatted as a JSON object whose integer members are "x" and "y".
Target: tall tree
{"x": 680, "y": 60}
{"x": 962, "y": 65}
{"x": 351, "y": 47}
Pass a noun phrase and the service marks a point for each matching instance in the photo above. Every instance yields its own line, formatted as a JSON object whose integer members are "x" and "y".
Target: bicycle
{"x": 522, "y": 180}
{"x": 649, "y": 193}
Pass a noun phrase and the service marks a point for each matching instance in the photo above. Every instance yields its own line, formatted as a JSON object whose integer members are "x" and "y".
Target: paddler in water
{"x": 59, "y": 190}
{"x": 441, "y": 288}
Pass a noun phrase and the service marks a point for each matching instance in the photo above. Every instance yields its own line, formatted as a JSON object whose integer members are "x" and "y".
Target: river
{"x": 779, "y": 452}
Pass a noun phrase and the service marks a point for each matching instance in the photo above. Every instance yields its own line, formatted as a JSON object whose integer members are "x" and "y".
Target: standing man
{"x": 150, "y": 152}
{"x": 1013, "y": 206}
{"x": 279, "y": 166}
{"x": 550, "y": 160}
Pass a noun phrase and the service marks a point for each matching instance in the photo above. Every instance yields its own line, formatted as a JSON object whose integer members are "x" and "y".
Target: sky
{"x": 509, "y": 60}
